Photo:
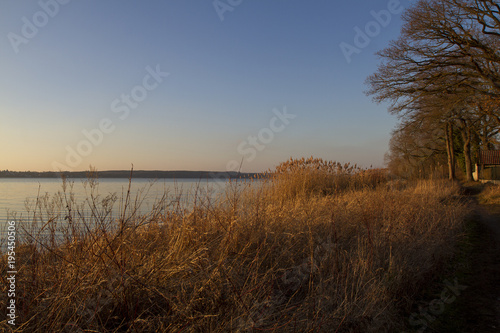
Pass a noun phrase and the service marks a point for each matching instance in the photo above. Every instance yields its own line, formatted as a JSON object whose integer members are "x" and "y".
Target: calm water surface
{"x": 16, "y": 194}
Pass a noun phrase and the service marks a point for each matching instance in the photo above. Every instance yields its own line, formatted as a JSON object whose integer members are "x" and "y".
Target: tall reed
{"x": 314, "y": 247}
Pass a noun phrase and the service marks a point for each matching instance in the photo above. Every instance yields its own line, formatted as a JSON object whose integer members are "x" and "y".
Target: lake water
{"x": 16, "y": 194}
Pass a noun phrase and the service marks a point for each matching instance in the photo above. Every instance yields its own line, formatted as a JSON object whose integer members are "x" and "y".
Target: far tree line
{"x": 442, "y": 79}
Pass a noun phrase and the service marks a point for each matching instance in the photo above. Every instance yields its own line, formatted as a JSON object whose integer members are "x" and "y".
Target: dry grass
{"x": 490, "y": 195}
{"x": 328, "y": 249}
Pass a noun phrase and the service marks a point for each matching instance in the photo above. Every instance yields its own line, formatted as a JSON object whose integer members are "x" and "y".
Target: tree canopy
{"x": 442, "y": 76}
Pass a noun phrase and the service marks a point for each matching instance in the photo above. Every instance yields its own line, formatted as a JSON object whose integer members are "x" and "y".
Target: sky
{"x": 191, "y": 85}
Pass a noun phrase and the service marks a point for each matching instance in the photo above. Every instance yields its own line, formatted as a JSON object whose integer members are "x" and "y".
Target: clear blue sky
{"x": 87, "y": 64}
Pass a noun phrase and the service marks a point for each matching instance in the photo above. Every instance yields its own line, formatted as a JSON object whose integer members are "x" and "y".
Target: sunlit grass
{"x": 490, "y": 195}
{"x": 314, "y": 247}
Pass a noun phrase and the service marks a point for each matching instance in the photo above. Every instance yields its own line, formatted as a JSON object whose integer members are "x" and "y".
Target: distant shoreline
{"x": 178, "y": 174}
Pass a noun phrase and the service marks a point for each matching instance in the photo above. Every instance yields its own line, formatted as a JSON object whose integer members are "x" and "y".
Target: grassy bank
{"x": 489, "y": 194}
{"x": 315, "y": 247}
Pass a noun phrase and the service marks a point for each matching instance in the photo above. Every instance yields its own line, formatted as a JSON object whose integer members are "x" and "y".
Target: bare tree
{"x": 417, "y": 147}
{"x": 459, "y": 38}
{"x": 446, "y": 66}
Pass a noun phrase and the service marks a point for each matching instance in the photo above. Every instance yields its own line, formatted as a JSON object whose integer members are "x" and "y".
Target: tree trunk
{"x": 484, "y": 138}
{"x": 450, "y": 150}
{"x": 466, "y": 136}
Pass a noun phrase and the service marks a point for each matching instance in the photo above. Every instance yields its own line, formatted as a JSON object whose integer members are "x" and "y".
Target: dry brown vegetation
{"x": 490, "y": 195}
{"x": 315, "y": 247}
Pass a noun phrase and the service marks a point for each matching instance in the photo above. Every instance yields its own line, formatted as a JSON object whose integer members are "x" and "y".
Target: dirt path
{"x": 479, "y": 305}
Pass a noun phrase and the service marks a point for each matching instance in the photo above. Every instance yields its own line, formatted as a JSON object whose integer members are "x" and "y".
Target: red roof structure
{"x": 489, "y": 157}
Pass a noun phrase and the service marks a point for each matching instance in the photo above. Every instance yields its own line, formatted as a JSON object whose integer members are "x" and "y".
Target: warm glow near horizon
{"x": 184, "y": 86}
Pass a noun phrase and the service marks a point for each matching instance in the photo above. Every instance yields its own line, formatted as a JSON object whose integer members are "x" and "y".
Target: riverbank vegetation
{"x": 490, "y": 194}
{"x": 317, "y": 246}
